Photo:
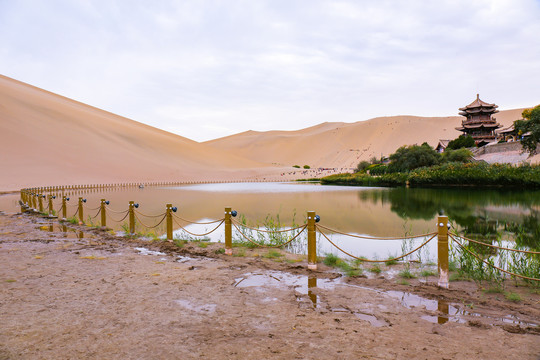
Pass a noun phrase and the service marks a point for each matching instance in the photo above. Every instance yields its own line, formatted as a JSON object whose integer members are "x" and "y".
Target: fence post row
{"x": 228, "y": 231}
{"x": 442, "y": 251}
{"x": 312, "y": 242}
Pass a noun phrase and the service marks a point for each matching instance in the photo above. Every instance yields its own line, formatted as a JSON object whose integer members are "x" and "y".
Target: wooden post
{"x": 64, "y": 208}
{"x": 40, "y": 201}
{"x": 103, "y": 214}
{"x": 34, "y": 205}
{"x": 168, "y": 212}
{"x": 312, "y": 242}
{"x": 228, "y": 231}
{"x": 51, "y": 210}
{"x": 81, "y": 216}
{"x": 132, "y": 217}
{"x": 442, "y": 250}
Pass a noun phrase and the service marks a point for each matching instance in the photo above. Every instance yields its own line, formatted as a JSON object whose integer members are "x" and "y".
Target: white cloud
{"x": 206, "y": 69}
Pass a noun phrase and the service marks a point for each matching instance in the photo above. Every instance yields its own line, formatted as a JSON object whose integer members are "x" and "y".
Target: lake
{"x": 377, "y": 212}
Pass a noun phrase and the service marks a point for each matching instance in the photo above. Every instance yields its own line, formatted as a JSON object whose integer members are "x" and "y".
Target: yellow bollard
{"x": 40, "y": 199}
{"x": 51, "y": 210}
{"x": 228, "y": 231}
{"x": 81, "y": 217}
{"x": 169, "y": 222}
{"x": 442, "y": 250}
{"x": 132, "y": 217}
{"x": 103, "y": 214}
{"x": 312, "y": 241}
{"x": 64, "y": 208}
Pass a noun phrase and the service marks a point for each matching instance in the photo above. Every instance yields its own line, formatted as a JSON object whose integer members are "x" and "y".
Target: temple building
{"x": 478, "y": 123}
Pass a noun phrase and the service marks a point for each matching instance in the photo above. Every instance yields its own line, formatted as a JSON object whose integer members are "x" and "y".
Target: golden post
{"x": 228, "y": 231}
{"x": 51, "y": 210}
{"x": 81, "y": 217}
{"x": 312, "y": 243}
{"x": 442, "y": 250}
{"x": 168, "y": 214}
{"x": 40, "y": 200}
{"x": 103, "y": 214}
{"x": 34, "y": 206}
{"x": 64, "y": 209}
{"x": 132, "y": 217}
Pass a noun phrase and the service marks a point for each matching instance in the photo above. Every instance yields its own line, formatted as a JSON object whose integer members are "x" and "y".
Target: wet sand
{"x": 99, "y": 297}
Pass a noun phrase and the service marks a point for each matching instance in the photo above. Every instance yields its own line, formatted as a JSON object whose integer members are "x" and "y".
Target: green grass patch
{"x": 512, "y": 297}
{"x": 426, "y": 273}
{"x": 330, "y": 260}
{"x": 376, "y": 269}
{"x": 406, "y": 274}
{"x": 272, "y": 254}
{"x": 403, "y": 282}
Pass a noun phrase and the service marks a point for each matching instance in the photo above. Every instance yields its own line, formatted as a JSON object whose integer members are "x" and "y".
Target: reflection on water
{"x": 379, "y": 212}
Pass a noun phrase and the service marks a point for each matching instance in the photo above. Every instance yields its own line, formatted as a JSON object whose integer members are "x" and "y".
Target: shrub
{"x": 362, "y": 166}
{"x": 296, "y": 166}
{"x": 408, "y": 158}
{"x": 307, "y": 167}
{"x": 463, "y": 141}
{"x": 460, "y": 155}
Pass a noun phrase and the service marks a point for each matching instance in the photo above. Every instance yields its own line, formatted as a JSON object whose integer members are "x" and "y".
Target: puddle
{"x": 450, "y": 312}
{"x": 145, "y": 251}
{"x": 62, "y": 229}
{"x": 183, "y": 259}
{"x": 371, "y": 319}
{"x": 201, "y": 309}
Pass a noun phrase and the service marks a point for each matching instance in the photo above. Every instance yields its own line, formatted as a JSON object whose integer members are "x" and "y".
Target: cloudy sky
{"x": 207, "y": 69}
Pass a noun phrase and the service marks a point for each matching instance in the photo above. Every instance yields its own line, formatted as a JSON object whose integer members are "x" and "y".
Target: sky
{"x": 208, "y": 69}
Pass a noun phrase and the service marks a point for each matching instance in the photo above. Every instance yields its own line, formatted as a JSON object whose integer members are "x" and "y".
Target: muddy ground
{"x": 65, "y": 297}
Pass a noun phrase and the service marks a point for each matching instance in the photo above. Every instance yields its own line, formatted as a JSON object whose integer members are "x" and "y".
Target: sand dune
{"x": 49, "y": 139}
{"x": 345, "y": 144}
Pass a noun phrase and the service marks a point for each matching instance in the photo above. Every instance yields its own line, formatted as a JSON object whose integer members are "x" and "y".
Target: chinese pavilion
{"x": 478, "y": 123}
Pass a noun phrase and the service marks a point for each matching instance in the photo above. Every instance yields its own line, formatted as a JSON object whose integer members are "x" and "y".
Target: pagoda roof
{"x": 477, "y": 126}
{"x": 477, "y": 103}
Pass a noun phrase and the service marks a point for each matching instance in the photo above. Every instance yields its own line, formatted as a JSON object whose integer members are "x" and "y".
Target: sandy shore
{"x": 98, "y": 297}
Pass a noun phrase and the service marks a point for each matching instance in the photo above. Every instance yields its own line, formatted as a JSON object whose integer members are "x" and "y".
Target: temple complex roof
{"x": 478, "y": 103}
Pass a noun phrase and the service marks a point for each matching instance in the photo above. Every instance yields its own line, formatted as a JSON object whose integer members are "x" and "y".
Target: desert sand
{"x": 47, "y": 139}
{"x": 99, "y": 296}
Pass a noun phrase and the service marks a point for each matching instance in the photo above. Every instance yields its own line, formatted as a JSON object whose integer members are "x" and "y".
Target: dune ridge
{"x": 343, "y": 145}
{"x": 49, "y": 139}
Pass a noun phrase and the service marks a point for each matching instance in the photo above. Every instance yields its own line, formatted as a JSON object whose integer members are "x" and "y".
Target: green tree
{"x": 362, "y": 166}
{"x": 463, "y": 141}
{"x": 531, "y": 125}
{"x": 460, "y": 155}
{"x": 407, "y": 158}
